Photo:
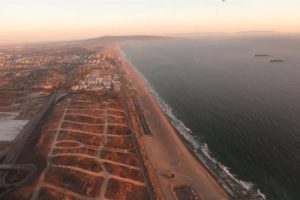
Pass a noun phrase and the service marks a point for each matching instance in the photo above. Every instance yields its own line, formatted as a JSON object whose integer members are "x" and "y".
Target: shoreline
{"x": 166, "y": 150}
{"x": 231, "y": 185}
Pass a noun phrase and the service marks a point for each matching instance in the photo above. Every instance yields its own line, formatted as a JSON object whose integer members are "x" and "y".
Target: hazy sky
{"x": 40, "y": 20}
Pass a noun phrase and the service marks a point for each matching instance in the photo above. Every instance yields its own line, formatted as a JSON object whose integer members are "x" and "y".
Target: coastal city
{"x": 76, "y": 124}
{"x": 20, "y": 60}
{"x": 85, "y": 147}
{"x": 149, "y": 100}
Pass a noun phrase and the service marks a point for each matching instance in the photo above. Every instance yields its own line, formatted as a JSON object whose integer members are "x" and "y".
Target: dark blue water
{"x": 245, "y": 108}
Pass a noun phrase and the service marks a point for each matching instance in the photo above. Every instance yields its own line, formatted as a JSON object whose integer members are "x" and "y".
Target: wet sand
{"x": 166, "y": 151}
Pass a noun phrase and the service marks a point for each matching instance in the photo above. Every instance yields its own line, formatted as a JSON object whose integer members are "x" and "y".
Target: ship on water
{"x": 276, "y": 60}
{"x": 261, "y": 55}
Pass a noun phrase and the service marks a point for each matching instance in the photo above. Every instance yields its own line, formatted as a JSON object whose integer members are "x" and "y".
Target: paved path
{"x": 93, "y": 116}
{"x": 101, "y": 124}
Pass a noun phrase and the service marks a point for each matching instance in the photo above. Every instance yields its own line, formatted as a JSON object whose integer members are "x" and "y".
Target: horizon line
{"x": 146, "y": 35}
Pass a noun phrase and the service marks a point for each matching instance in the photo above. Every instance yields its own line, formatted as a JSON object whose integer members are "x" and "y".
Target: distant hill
{"x": 110, "y": 39}
{"x": 93, "y": 41}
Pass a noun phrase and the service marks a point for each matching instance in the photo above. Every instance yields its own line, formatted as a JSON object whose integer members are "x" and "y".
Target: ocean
{"x": 242, "y": 107}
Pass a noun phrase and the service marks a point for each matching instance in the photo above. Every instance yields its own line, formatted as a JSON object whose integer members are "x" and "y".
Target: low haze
{"x": 44, "y": 20}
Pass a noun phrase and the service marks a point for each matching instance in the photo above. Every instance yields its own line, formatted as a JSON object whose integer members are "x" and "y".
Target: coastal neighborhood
{"x": 95, "y": 81}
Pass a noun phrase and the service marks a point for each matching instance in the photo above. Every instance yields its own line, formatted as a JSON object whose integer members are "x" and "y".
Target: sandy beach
{"x": 172, "y": 163}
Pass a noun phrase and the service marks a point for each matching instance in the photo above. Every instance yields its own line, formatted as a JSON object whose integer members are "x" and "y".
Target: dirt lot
{"x": 89, "y": 153}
